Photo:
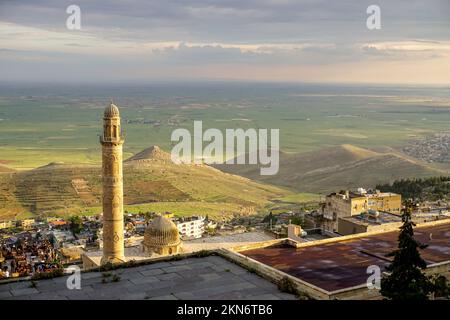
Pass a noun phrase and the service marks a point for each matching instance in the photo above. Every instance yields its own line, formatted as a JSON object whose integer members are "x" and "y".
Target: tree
{"x": 76, "y": 225}
{"x": 406, "y": 280}
{"x": 300, "y": 221}
{"x": 270, "y": 219}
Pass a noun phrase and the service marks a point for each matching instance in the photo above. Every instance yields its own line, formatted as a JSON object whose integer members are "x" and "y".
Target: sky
{"x": 313, "y": 41}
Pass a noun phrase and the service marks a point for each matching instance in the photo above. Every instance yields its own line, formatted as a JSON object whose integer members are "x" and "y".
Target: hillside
{"x": 150, "y": 181}
{"x": 4, "y": 169}
{"x": 152, "y": 153}
{"x": 336, "y": 168}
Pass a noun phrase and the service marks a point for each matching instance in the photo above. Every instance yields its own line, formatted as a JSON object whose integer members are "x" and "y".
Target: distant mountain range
{"x": 335, "y": 168}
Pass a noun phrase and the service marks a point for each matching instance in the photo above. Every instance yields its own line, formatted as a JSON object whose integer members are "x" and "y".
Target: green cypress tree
{"x": 407, "y": 280}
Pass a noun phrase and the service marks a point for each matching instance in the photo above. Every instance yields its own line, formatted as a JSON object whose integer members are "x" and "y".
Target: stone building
{"x": 347, "y": 204}
{"x": 112, "y": 142}
{"x": 191, "y": 227}
{"x": 162, "y": 237}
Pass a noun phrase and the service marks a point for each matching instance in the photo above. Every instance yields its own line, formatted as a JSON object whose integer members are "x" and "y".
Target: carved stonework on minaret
{"x": 111, "y": 140}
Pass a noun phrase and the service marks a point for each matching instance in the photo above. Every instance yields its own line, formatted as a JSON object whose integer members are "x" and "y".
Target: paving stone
{"x": 186, "y": 295}
{"x": 82, "y": 294}
{"x": 5, "y": 294}
{"x": 215, "y": 260}
{"x": 5, "y": 287}
{"x": 177, "y": 268}
{"x": 152, "y": 272}
{"x": 48, "y": 286}
{"x": 90, "y": 275}
{"x": 29, "y": 297}
{"x": 143, "y": 287}
{"x": 88, "y": 282}
{"x": 182, "y": 262}
{"x": 197, "y": 271}
{"x": 58, "y": 280}
{"x": 134, "y": 296}
{"x": 199, "y": 264}
{"x": 161, "y": 291}
{"x": 158, "y": 265}
{"x": 48, "y": 296}
{"x": 17, "y": 285}
{"x": 210, "y": 276}
{"x": 106, "y": 293}
{"x": 23, "y": 292}
{"x": 209, "y": 292}
{"x": 128, "y": 270}
{"x": 168, "y": 276}
{"x": 129, "y": 276}
{"x": 285, "y": 296}
{"x": 262, "y": 283}
{"x": 165, "y": 297}
{"x": 148, "y": 279}
{"x": 110, "y": 286}
{"x": 266, "y": 296}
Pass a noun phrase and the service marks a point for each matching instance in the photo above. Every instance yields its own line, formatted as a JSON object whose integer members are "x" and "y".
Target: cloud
{"x": 131, "y": 37}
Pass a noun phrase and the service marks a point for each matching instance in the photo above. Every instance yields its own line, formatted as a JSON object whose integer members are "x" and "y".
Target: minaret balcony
{"x": 111, "y": 140}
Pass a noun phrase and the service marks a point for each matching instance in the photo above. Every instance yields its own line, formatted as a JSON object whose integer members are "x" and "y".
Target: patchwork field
{"x": 41, "y": 124}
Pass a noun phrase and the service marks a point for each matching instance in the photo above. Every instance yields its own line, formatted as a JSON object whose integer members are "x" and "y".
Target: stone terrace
{"x": 205, "y": 278}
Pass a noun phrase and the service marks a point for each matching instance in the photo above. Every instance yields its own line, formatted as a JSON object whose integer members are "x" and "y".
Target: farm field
{"x": 39, "y": 125}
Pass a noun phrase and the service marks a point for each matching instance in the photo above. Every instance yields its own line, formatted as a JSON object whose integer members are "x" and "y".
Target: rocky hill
{"x": 149, "y": 177}
{"x": 337, "y": 168}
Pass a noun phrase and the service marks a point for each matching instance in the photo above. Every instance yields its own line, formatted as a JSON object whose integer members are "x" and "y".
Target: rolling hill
{"x": 4, "y": 169}
{"x": 337, "y": 168}
{"x": 151, "y": 182}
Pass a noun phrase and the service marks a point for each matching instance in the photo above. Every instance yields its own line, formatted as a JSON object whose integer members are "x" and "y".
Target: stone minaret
{"x": 113, "y": 243}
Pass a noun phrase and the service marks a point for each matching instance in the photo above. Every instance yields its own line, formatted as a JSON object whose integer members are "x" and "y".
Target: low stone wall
{"x": 366, "y": 234}
{"x": 273, "y": 275}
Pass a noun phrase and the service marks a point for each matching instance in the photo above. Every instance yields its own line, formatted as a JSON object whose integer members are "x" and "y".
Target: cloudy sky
{"x": 263, "y": 40}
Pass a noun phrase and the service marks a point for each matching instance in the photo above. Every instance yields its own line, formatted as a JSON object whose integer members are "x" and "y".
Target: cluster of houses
{"x": 70, "y": 245}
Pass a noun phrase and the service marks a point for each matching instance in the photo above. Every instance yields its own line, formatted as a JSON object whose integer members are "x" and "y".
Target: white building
{"x": 192, "y": 227}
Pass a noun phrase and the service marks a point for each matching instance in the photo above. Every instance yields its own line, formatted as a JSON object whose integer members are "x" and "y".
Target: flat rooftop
{"x": 366, "y": 219}
{"x": 207, "y": 278}
{"x": 343, "y": 264}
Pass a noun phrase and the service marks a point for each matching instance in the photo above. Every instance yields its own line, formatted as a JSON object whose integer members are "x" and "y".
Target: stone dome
{"x": 161, "y": 232}
{"x": 111, "y": 111}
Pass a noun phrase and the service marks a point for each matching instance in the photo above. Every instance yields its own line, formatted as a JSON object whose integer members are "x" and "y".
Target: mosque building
{"x": 162, "y": 237}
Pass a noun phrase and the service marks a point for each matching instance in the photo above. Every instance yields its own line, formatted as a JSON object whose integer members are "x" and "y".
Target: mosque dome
{"x": 162, "y": 236}
{"x": 111, "y": 111}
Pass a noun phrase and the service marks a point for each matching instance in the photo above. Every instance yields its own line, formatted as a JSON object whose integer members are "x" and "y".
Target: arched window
{"x": 106, "y": 131}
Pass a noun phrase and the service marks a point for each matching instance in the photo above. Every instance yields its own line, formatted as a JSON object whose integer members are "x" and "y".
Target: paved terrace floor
{"x": 343, "y": 264}
{"x": 205, "y": 278}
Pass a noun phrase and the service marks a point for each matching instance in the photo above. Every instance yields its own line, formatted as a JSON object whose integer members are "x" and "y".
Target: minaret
{"x": 113, "y": 243}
